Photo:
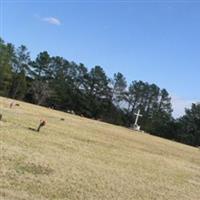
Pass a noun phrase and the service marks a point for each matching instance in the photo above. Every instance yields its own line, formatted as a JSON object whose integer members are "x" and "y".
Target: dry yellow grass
{"x": 82, "y": 159}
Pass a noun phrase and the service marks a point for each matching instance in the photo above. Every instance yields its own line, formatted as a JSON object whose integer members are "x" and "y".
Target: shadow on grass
{"x": 32, "y": 129}
{"x": 33, "y": 168}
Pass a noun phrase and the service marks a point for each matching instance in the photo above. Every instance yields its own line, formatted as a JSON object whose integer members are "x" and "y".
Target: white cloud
{"x": 52, "y": 20}
{"x": 179, "y": 104}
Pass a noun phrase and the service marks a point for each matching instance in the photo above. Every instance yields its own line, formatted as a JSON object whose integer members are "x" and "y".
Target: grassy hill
{"x": 83, "y": 159}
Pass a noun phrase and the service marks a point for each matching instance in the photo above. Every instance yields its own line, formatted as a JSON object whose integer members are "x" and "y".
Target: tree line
{"x": 53, "y": 81}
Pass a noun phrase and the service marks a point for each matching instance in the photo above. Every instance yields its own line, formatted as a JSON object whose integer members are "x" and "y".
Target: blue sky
{"x": 154, "y": 41}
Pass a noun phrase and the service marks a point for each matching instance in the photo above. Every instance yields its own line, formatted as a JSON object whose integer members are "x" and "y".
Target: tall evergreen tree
{"x": 98, "y": 92}
{"x": 189, "y": 131}
{"x": 6, "y": 58}
{"x": 40, "y": 66}
{"x": 20, "y": 69}
{"x": 62, "y": 83}
{"x": 119, "y": 85}
{"x": 40, "y": 86}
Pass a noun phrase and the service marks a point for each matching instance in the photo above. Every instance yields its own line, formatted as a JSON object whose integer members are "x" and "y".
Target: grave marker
{"x": 136, "y": 126}
{"x": 42, "y": 123}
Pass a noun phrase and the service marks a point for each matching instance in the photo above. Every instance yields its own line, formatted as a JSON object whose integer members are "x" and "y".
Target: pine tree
{"x": 189, "y": 131}
{"x": 20, "y": 68}
{"x": 40, "y": 86}
{"x": 6, "y": 56}
{"x": 119, "y": 85}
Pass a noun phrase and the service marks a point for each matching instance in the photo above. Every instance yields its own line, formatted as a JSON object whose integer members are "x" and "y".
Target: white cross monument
{"x": 136, "y": 126}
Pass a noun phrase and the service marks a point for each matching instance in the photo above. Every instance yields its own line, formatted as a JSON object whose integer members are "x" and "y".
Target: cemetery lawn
{"x": 83, "y": 159}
